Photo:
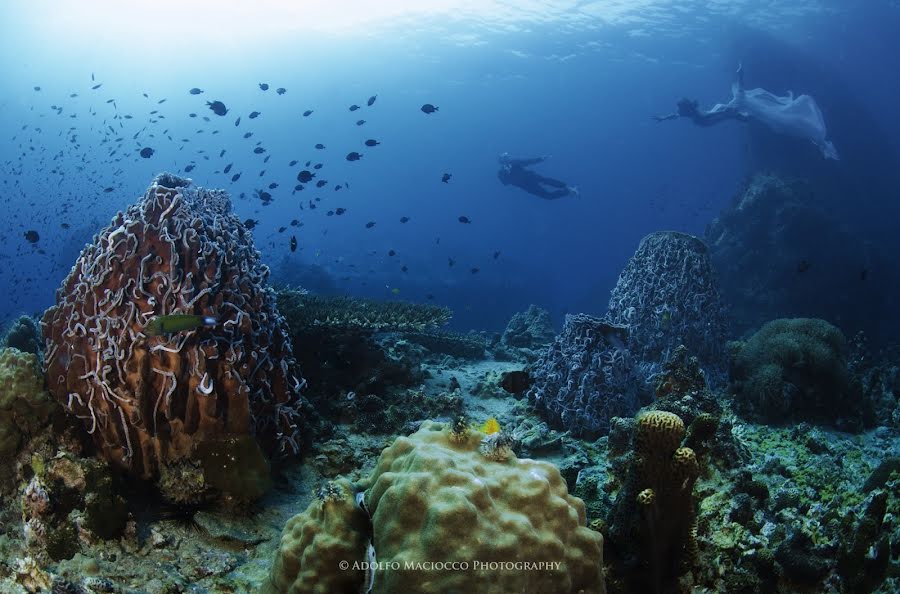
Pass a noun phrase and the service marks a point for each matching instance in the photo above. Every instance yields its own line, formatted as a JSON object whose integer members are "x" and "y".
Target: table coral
{"x": 148, "y": 400}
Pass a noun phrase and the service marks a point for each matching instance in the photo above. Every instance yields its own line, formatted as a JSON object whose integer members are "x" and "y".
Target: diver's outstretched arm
{"x": 663, "y": 118}
{"x": 527, "y": 162}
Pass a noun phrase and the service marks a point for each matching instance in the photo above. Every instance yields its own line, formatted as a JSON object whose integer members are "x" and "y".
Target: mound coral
{"x": 795, "y": 370}
{"x": 586, "y": 377}
{"x": 24, "y": 405}
{"x": 668, "y": 295}
{"x": 147, "y": 401}
{"x": 529, "y": 329}
{"x": 443, "y": 518}
{"x": 24, "y": 335}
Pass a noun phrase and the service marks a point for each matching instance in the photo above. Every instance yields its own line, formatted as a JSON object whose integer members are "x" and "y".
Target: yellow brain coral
{"x": 659, "y": 430}
{"x": 446, "y": 519}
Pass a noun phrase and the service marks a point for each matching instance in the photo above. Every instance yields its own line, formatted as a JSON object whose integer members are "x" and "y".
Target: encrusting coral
{"x": 24, "y": 405}
{"x": 444, "y": 518}
{"x": 147, "y": 401}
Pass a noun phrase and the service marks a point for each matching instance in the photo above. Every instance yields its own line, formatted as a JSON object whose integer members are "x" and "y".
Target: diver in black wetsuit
{"x": 514, "y": 172}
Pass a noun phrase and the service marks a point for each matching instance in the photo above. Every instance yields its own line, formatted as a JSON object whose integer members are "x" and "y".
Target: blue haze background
{"x": 578, "y": 81}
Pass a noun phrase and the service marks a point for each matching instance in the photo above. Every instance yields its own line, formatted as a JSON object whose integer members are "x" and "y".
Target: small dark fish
{"x": 317, "y": 166}
{"x": 161, "y": 101}
{"x": 404, "y": 219}
{"x": 228, "y": 167}
{"x": 446, "y": 178}
{"x": 64, "y": 225}
{"x": 321, "y": 183}
{"x": 298, "y": 188}
{"x": 496, "y": 254}
{"x": 354, "y": 107}
{"x": 97, "y": 86}
{"x": 404, "y": 268}
{"x": 281, "y": 90}
{"x": 195, "y": 91}
{"x": 464, "y": 219}
{"x": 37, "y": 88}
{"x": 429, "y": 108}
{"x": 371, "y": 100}
{"x": 320, "y": 146}
{"x": 189, "y": 168}
{"x": 803, "y": 266}
{"x": 292, "y": 163}
{"x": 294, "y": 222}
{"x": 515, "y": 382}
{"x": 33, "y": 237}
{"x": 307, "y": 113}
{"x": 264, "y": 86}
{"x": 293, "y": 243}
{"x": 217, "y": 107}
{"x": 339, "y": 211}
{"x": 450, "y": 262}
{"x": 282, "y": 229}
{"x": 251, "y": 223}
{"x": 305, "y": 176}
{"x": 108, "y": 190}
{"x": 329, "y": 213}
{"x": 354, "y": 156}
{"x": 392, "y": 253}
{"x": 237, "y": 122}
{"x": 372, "y": 142}
{"x": 360, "y": 122}
{"x": 370, "y": 224}
{"x": 259, "y": 150}
{"x": 475, "y": 270}
{"x": 147, "y": 152}
{"x": 273, "y": 185}
{"x": 235, "y": 177}
{"x": 253, "y": 115}
{"x": 248, "y": 134}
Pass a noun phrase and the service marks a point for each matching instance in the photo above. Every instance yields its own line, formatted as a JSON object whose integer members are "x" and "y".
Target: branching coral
{"x": 146, "y": 400}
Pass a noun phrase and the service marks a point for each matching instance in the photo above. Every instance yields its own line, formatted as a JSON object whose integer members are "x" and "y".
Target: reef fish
{"x": 217, "y": 107}
{"x": 429, "y": 108}
{"x": 173, "y": 323}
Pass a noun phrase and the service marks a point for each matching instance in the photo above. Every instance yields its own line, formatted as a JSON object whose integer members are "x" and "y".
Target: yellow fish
{"x": 395, "y": 291}
{"x": 490, "y": 427}
{"x": 173, "y": 323}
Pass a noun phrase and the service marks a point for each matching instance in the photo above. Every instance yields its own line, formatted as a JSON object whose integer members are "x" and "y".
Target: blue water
{"x": 578, "y": 81}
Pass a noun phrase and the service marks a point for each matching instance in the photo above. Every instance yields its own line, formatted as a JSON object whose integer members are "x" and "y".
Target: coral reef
{"x": 668, "y": 295}
{"x": 471, "y": 345}
{"x": 25, "y": 407}
{"x": 530, "y": 329}
{"x": 147, "y": 401}
{"x": 779, "y": 254}
{"x": 796, "y": 370}
{"x": 305, "y": 310}
{"x": 23, "y": 335}
{"x": 586, "y": 377}
{"x": 435, "y": 502}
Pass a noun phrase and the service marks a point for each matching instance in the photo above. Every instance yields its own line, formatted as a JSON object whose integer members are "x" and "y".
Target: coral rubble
{"x": 147, "y": 401}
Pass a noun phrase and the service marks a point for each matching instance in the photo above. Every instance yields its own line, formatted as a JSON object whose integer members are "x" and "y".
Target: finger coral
{"x": 147, "y": 401}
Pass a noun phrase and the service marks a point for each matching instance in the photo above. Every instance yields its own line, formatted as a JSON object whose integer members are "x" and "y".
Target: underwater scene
{"x": 449, "y": 296}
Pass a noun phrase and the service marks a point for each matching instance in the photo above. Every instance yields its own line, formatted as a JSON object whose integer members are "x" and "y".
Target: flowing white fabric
{"x": 796, "y": 116}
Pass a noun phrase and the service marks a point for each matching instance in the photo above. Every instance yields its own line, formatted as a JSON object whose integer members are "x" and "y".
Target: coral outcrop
{"x": 530, "y": 329}
{"x": 668, "y": 295}
{"x": 148, "y": 401}
{"x": 586, "y": 377}
{"x": 23, "y": 335}
{"x": 796, "y": 370}
{"x": 779, "y": 254}
{"x": 446, "y": 513}
{"x": 652, "y": 529}
{"x": 25, "y": 406}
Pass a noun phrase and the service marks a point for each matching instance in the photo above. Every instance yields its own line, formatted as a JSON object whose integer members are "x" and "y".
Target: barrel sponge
{"x": 315, "y": 542}
{"x": 433, "y": 499}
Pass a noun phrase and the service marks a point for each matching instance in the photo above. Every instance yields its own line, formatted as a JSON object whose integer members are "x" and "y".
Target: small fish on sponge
{"x": 174, "y": 323}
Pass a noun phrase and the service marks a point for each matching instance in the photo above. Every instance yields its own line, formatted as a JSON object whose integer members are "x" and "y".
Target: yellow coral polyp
{"x": 490, "y": 426}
